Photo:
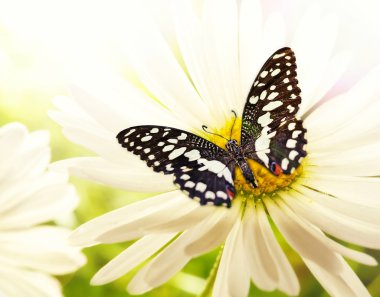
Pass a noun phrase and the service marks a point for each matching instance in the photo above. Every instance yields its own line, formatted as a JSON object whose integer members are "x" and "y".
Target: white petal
{"x": 32, "y": 158}
{"x": 134, "y": 255}
{"x": 232, "y": 278}
{"x": 333, "y": 72}
{"x": 325, "y": 121}
{"x": 288, "y": 281}
{"x": 41, "y": 248}
{"x": 220, "y": 27}
{"x": 360, "y": 130}
{"x": 12, "y": 136}
{"x": 335, "y": 223}
{"x": 164, "y": 76}
{"x": 190, "y": 39}
{"x": 181, "y": 214}
{"x": 106, "y": 96}
{"x": 18, "y": 282}
{"x": 259, "y": 261}
{"x": 361, "y": 161}
{"x": 313, "y": 43}
{"x": 91, "y": 135}
{"x": 304, "y": 239}
{"x": 14, "y": 193}
{"x": 40, "y": 206}
{"x": 172, "y": 259}
{"x": 250, "y": 43}
{"x": 357, "y": 196}
{"x": 133, "y": 177}
{"x": 160, "y": 207}
{"x": 346, "y": 284}
{"x": 352, "y": 254}
{"x": 215, "y": 231}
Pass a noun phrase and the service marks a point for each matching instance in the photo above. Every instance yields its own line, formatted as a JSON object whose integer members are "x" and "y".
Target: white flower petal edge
{"x": 30, "y": 196}
{"x": 130, "y": 178}
{"x": 16, "y": 282}
{"x": 232, "y": 278}
{"x": 345, "y": 284}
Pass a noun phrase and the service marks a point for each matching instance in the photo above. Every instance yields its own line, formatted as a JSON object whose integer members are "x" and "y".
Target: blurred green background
{"x": 31, "y": 74}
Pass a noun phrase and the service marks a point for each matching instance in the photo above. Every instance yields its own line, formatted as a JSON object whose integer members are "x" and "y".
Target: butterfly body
{"x": 238, "y": 158}
{"x": 271, "y": 135}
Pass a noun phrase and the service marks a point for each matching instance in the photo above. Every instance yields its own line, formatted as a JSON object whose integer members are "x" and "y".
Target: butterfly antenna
{"x": 204, "y": 128}
{"x": 233, "y": 125}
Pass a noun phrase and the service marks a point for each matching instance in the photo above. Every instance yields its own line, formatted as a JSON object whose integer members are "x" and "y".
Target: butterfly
{"x": 270, "y": 135}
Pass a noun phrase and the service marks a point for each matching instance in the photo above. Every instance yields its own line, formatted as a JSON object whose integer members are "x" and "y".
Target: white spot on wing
{"x": 201, "y": 187}
{"x": 176, "y": 153}
{"x": 296, "y": 134}
{"x": 154, "y": 130}
{"x": 189, "y": 184}
{"x": 262, "y": 145}
{"x": 278, "y": 56}
{"x": 193, "y": 155}
{"x": 217, "y": 167}
{"x": 275, "y": 72}
{"x": 293, "y": 154}
{"x": 210, "y": 195}
{"x": 285, "y": 164}
{"x": 183, "y": 136}
{"x": 264, "y": 74}
{"x": 253, "y": 100}
{"x": 263, "y": 95}
{"x": 146, "y": 138}
{"x": 272, "y": 105}
{"x": 168, "y": 148}
{"x": 264, "y": 120}
{"x": 129, "y": 132}
{"x": 185, "y": 177}
{"x": 221, "y": 194}
{"x": 291, "y": 108}
{"x": 273, "y": 95}
{"x": 291, "y": 143}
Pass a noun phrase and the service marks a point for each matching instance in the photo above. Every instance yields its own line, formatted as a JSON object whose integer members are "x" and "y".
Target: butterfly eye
{"x": 275, "y": 168}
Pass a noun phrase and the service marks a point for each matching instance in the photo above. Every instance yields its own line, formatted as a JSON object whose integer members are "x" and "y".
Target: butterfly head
{"x": 232, "y": 146}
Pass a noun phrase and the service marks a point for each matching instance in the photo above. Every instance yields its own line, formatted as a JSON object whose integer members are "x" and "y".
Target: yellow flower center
{"x": 267, "y": 182}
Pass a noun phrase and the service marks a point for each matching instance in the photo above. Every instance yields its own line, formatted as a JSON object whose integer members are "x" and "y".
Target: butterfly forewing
{"x": 268, "y": 135}
{"x": 200, "y": 168}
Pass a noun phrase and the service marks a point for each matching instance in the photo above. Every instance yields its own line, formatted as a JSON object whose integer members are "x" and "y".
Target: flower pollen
{"x": 268, "y": 183}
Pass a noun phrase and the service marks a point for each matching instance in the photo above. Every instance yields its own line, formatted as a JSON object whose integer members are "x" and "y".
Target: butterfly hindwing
{"x": 269, "y": 115}
{"x": 200, "y": 168}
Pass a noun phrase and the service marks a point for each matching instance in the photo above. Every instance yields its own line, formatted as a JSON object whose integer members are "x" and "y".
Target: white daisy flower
{"x": 31, "y": 196}
{"x": 206, "y": 72}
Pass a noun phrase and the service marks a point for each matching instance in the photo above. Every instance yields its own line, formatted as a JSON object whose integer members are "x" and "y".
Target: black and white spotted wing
{"x": 200, "y": 168}
{"x": 271, "y": 134}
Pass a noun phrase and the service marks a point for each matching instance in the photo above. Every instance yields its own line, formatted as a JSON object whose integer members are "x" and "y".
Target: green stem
{"x": 212, "y": 276}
